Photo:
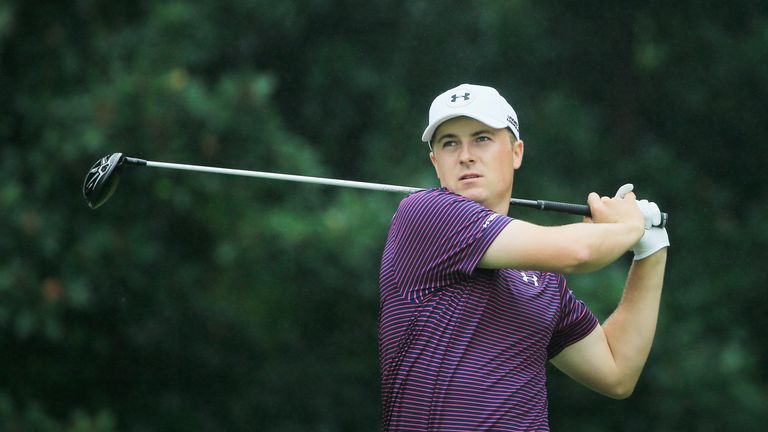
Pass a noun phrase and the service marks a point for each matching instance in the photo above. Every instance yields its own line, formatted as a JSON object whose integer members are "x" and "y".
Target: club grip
{"x": 562, "y": 207}
{"x": 574, "y": 209}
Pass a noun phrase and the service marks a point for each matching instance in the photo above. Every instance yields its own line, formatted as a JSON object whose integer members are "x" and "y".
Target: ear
{"x": 434, "y": 164}
{"x": 518, "y": 148}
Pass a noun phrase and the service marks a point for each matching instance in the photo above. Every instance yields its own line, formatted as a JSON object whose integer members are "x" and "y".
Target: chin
{"x": 475, "y": 195}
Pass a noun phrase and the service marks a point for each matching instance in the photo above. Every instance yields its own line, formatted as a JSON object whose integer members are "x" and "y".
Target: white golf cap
{"x": 481, "y": 103}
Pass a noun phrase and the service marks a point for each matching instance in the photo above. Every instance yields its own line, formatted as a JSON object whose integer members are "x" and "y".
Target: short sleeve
{"x": 438, "y": 237}
{"x": 575, "y": 321}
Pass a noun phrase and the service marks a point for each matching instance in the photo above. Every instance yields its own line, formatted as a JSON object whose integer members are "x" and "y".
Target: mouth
{"x": 469, "y": 176}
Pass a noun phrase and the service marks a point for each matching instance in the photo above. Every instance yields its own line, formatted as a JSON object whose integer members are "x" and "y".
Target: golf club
{"x": 102, "y": 179}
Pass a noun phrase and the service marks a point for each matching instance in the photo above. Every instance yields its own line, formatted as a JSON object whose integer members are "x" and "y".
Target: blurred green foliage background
{"x": 193, "y": 302}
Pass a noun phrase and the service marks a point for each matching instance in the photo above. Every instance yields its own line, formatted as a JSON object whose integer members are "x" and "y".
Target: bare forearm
{"x": 605, "y": 243}
{"x": 631, "y": 328}
{"x": 574, "y": 248}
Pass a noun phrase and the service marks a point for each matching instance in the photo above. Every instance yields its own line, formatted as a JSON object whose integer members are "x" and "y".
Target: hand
{"x": 654, "y": 239}
{"x": 651, "y": 212}
{"x": 622, "y": 208}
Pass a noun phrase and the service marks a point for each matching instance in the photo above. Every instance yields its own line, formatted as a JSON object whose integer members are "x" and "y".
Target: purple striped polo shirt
{"x": 463, "y": 348}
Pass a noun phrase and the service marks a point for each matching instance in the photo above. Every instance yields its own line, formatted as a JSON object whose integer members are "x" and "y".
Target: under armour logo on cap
{"x": 465, "y": 96}
{"x": 457, "y": 99}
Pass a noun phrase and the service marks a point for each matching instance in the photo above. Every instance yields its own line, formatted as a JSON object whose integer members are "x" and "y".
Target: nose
{"x": 466, "y": 155}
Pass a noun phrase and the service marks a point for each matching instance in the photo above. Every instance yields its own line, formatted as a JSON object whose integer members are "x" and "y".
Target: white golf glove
{"x": 651, "y": 242}
{"x": 654, "y": 238}
{"x": 650, "y": 212}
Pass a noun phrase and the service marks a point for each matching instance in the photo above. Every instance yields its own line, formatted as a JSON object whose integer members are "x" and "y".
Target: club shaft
{"x": 562, "y": 207}
{"x": 287, "y": 177}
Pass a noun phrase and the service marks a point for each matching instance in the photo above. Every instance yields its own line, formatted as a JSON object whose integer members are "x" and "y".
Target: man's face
{"x": 476, "y": 161}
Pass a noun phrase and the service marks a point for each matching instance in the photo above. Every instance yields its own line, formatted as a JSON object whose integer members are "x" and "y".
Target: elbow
{"x": 621, "y": 394}
{"x": 620, "y": 391}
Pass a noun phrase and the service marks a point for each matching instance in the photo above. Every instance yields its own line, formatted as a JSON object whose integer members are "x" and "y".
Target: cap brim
{"x": 430, "y": 130}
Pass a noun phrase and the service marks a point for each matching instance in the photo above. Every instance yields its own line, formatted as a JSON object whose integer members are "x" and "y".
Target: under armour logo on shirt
{"x": 490, "y": 219}
{"x": 456, "y": 97}
{"x": 529, "y": 279}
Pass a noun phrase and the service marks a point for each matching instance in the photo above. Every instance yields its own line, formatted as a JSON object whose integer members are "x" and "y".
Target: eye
{"x": 448, "y": 144}
{"x": 483, "y": 138}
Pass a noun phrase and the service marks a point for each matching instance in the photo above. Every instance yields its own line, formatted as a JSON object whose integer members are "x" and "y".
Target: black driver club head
{"x": 101, "y": 181}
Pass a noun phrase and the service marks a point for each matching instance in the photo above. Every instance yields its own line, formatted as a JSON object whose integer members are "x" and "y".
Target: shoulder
{"x": 437, "y": 202}
{"x": 431, "y": 197}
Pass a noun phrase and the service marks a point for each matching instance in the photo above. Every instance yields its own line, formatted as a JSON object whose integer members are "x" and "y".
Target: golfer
{"x": 474, "y": 303}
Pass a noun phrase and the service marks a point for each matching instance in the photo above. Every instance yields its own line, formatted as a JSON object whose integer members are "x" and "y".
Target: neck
{"x": 501, "y": 208}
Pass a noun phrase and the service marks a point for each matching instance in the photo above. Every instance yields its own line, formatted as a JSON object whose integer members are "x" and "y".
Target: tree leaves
{"x": 203, "y": 302}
